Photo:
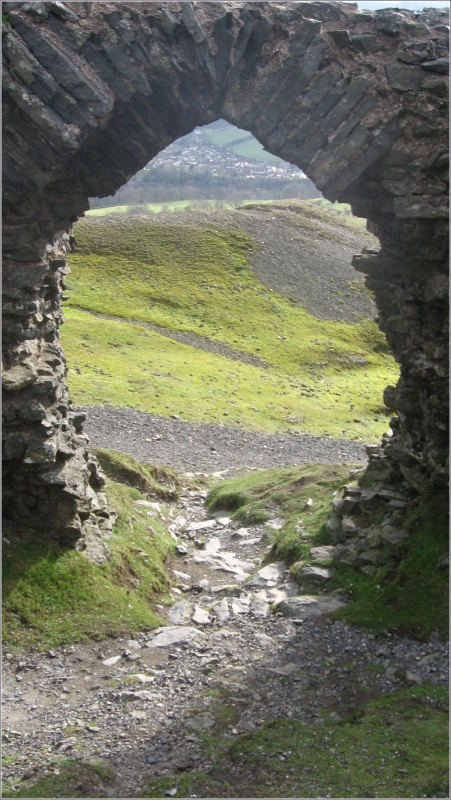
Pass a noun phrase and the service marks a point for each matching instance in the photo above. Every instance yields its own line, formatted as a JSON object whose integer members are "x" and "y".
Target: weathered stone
{"x": 203, "y": 525}
{"x": 322, "y": 554}
{"x": 180, "y": 613}
{"x": 438, "y": 85}
{"x": 259, "y": 607}
{"x": 389, "y": 22}
{"x": 140, "y": 694}
{"x": 404, "y": 78}
{"x": 144, "y": 678}
{"x": 241, "y": 605}
{"x": 221, "y": 610}
{"x": 175, "y": 636}
{"x": 39, "y": 11}
{"x": 63, "y": 12}
{"x": 110, "y": 662}
{"x": 306, "y": 606}
{"x": 202, "y": 721}
{"x": 366, "y": 42}
{"x": 392, "y": 536}
{"x": 19, "y": 376}
{"x": 374, "y": 556}
{"x": 440, "y": 65}
{"x": 342, "y": 38}
{"x": 311, "y": 578}
{"x": 200, "y": 616}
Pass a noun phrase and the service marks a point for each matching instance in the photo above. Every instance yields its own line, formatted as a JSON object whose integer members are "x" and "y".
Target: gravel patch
{"x": 195, "y": 447}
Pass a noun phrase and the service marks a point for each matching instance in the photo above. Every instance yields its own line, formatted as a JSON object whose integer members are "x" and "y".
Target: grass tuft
{"x": 159, "y": 482}
{"x": 75, "y": 778}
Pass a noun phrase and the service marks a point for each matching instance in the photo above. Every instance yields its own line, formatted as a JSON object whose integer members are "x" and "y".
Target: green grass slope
{"x": 326, "y": 377}
{"x": 53, "y": 595}
{"x": 342, "y": 210}
{"x": 156, "y": 208}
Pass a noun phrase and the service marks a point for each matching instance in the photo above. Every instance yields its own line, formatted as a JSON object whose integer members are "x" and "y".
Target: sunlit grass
{"x": 325, "y": 376}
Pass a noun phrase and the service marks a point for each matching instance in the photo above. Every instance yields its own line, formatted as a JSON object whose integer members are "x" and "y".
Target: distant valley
{"x": 216, "y": 162}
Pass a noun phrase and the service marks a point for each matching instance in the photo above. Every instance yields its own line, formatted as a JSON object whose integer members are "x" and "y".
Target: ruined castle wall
{"x": 93, "y": 91}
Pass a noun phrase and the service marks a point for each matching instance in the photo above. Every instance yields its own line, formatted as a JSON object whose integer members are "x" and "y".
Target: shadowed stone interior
{"x": 358, "y": 100}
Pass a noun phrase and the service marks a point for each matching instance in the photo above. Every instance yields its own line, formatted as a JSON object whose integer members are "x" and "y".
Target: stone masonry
{"x": 358, "y": 100}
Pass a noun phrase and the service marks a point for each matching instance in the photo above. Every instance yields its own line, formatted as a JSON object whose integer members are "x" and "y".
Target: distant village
{"x": 193, "y": 167}
{"x": 195, "y": 152}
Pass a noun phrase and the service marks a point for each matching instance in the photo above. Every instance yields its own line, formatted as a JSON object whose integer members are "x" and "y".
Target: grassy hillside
{"x": 323, "y": 376}
{"x": 342, "y": 210}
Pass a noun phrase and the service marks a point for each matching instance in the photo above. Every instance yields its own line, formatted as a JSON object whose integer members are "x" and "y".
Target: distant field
{"x": 325, "y": 377}
{"x": 341, "y": 209}
{"x": 155, "y": 208}
{"x": 252, "y": 150}
{"x": 229, "y": 136}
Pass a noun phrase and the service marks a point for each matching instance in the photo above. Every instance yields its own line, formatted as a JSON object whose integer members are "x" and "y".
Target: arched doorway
{"x": 357, "y": 100}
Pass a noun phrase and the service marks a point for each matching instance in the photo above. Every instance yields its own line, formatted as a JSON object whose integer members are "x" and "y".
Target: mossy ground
{"x": 413, "y": 598}
{"x": 161, "y": 483}
{"x": 394, "y": 746}
{"x": 312, "y": 212}
{"x": 325, "y": 377}
{"x": 53, "y": 595}
{"x": 73, "y": 778}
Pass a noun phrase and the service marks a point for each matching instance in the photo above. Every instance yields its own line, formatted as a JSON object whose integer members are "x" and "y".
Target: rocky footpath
{"x": 241, "y": 636}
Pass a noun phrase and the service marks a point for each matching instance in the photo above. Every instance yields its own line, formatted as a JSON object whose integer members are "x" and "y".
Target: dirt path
{"x": 222, "y": 665}
{"x": 193, "y": 447}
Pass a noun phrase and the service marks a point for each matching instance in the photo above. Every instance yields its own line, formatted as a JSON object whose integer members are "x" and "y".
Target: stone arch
{"x": 93, "y": 91}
